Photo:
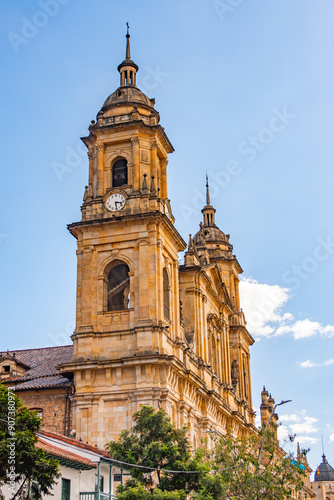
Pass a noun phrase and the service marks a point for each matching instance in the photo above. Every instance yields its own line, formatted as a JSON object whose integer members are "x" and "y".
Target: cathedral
{"x": 149, "y": 329}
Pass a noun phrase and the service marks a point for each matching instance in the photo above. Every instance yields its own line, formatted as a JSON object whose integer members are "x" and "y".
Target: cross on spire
{"x": 127, "y": 55}
{"x": 207, "y": 191}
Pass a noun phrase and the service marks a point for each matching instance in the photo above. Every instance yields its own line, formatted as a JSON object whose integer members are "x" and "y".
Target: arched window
{"x": 118, "y": 287}
{"x": 119, "y": 173}
{"x": 166, "y": 293}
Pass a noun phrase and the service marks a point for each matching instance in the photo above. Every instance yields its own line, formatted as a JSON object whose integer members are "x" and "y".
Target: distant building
{"x": 323, "y": 484}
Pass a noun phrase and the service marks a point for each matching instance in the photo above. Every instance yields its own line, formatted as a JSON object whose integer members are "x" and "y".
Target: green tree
{"x": 22, "y": 464}
{"x": 138, "y": 492}
{"x": 226, "y": 468}
{"x": 155, "y": 442}
{"x": 238, "y": 474}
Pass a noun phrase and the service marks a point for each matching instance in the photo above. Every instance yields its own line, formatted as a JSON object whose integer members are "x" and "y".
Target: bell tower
{"x": 149, "y": 331}
{"x": 128, "y": 312}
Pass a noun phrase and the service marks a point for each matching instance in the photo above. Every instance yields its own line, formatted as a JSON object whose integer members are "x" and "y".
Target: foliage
{"x": 240, "y": 476}
{"x": 137, "y": 491}
{"x": 21, "y": 462}
{"x": 155, "y": 442}
{"x": 228, "y": 468}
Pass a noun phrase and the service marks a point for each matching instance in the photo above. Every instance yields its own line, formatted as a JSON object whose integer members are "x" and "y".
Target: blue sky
{"x": 245, "y": 92}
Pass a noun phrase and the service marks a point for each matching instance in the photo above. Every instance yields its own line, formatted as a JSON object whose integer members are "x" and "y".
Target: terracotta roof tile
{"x": 44, "y": 383}
{"x": 42, "y": 363}
{"x": 63, "y": 454}
{"x": 75, "y": 442}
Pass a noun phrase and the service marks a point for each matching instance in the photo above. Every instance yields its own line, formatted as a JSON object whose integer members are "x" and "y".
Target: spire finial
{"x": 207, "y": 191}
{"x": 128, "y": 69}
{"x": 208, "y": 211}
{"x": 323, "y": 449}
{"x": 127, "y": 55}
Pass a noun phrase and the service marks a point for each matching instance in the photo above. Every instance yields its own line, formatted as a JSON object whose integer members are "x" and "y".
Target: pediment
{"x": 218, "y": 284}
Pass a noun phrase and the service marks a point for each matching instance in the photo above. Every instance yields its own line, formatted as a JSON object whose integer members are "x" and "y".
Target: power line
{"x": 173, "y": 471}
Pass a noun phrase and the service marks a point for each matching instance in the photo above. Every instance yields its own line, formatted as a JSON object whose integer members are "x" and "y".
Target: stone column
{"x": 163, "y": 179}
{"x": 219, "y": 357}
{"x": 135, "y": 163}
{"x": 154, "y": 159}
{"x": 225, "y": 355}
{"x": 249, "y": 389}
{"x": 176, "y": 301}
{"x": 86, "y": 286}
{"x": 204, "y": 329}
{"x": 90, "y": 155}
{"x": 143, "y": 280}
{"x": 100, "y": 168}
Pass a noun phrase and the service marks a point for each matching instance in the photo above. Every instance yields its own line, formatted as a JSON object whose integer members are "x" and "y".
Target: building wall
{"x": 319, "y": 490}
{"x": 81, "y": 481}
{"x": 52, "y": 403}
{"x": 323, "y": 489}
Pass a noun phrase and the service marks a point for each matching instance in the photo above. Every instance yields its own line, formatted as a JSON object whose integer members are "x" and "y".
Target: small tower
{"x": 214, "y": 323}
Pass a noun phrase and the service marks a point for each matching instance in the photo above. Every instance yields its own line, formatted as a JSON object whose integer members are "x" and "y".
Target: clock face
{"x": 116, "y": 201}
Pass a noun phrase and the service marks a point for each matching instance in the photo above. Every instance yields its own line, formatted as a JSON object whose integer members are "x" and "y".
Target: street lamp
{"x": 265, "y": 430}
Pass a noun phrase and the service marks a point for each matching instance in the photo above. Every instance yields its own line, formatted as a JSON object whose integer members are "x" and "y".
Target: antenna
{"x": 322, "y": 441}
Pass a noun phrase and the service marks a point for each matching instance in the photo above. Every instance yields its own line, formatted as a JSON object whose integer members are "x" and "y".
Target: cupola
{"x": 208, "y": 211}
{"x": 324, "y": 472}
{"x": 128, "y": 69}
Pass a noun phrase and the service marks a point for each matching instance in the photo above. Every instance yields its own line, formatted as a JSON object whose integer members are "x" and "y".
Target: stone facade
{"x": 149, "y": 331}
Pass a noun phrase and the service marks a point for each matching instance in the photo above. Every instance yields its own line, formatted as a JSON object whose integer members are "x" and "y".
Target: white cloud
{"x": 307, "y": 440}
{"x": 312, "y": 364}
{"x": 306, "y": 328}
{"x": 331, "y": 437}
{"x": 258, "y": 417}
{"x": 329, "y": 330}
{"x": 263, "y": 306}
{"x": 300, "y": 424}
{"x": 290, "y": 418}
{"x": 307, "y": 364}
{"x": 305, "y": 427}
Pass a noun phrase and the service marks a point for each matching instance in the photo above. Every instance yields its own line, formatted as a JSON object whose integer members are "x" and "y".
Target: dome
{"x": 324, "y": 471}
{"x": 211, "y": 234}
{"x": 126, "y": 95}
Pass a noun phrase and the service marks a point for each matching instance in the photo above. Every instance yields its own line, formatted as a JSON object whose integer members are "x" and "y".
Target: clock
{"x": 115, "y": 201}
